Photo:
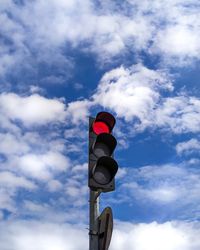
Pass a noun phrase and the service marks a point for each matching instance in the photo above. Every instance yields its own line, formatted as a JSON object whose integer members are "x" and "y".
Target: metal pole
{"x": 94, "y": 214}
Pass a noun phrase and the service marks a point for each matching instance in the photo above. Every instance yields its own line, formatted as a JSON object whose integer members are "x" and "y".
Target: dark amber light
{"x": 100, "y": 127}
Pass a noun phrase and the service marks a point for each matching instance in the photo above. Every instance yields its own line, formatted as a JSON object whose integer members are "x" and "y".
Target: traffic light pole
{"x": 94, "y": 214}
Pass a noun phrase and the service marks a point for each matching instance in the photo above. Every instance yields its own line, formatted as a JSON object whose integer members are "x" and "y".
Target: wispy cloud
{"x": 164, "y": 186}
{"x": 168, "y": 29}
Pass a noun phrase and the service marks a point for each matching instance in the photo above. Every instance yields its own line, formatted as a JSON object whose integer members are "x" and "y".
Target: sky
{"x": 62, "y": 61}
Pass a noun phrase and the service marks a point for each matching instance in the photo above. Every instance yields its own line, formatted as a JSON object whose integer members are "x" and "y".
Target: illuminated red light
{"x": 100, "y": 127}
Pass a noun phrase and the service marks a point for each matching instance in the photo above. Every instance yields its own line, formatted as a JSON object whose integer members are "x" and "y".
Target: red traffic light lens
{"x": 100, "y": 127}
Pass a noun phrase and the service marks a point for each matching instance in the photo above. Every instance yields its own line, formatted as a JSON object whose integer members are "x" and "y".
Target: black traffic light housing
{"x": 102, "y": 166}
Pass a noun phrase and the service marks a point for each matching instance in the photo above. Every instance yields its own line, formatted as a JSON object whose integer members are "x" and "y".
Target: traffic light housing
{"x": 102, "y": 166}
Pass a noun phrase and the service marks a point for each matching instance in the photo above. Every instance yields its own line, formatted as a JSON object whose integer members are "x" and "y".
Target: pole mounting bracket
{"x": 93, "y": 232}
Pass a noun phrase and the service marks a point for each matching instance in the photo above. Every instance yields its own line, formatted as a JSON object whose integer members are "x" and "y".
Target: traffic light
{"x": 102, "y": 166}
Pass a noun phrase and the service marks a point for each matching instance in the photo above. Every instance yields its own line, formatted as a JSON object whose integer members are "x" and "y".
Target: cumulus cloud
{"x": 28, "y": 159}
{"x": 38, "y": 235}
{"x": 140, "y": 96}
{"x": 78, "y": 111}
{"x": 180, "y": 41}
{"x": 136, "y": 94}
{"x": 11, "y": 144}
{"x": 131, "y": 92}
{"x": 167, "y": 236}
{"x": 31, "y": 110}
{"x": 188, "y": 147}
{"x": 30, "y": 155}
{"x": 41, "y": 166}
{"x": 46, "y": 235}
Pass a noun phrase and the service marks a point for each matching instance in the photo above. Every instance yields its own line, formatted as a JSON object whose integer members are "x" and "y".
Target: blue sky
{"x": 64, "y": 60}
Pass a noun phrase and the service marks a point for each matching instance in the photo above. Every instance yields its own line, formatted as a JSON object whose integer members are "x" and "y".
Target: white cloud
{"x": 121, "y": 173}
{"x": 10, "y": 184}
{"x": 188, "y": 147}
{"x": 35, "y": 89}
{"x": 131, "y": 92}
{"x": 32, "y": 154}
{"x": 36, "y": 207}
{"x": 169, "y": 29}
{"x": 154, "y": 236}
{"x": 17, "y": 235}
{"x": 37, "y": 235}
{"x": 31, "y": 110}
{"x": 54, "y": 185}
{"x": 181, "y": 114}
{"x": 6, "y": 200}
{"x": 8, "y": 125}
{"x": 11, "y": 32}
{"x": 163, "y": 194}
{"x": 178, "y": 41}
{"x": 10, "y": 180}
{"x": 78, "y": 112}
{"x": 10, "y": 144}
{"x": 136, "y": 94}
{"x": 76, "y": 192}
{"x": 41, "y": 166}
{"x": 32, "y": 165}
